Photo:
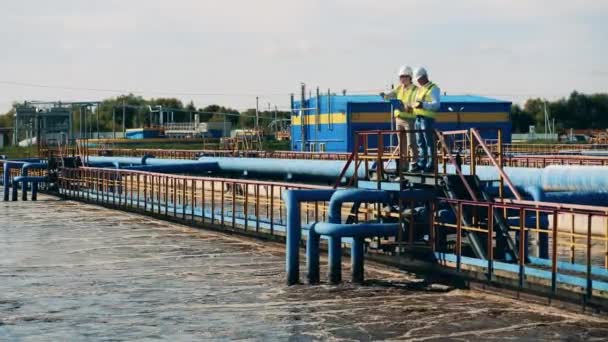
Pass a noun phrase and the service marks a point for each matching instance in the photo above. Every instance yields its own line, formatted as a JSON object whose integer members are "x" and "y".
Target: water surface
{"x": 71, "y": 271}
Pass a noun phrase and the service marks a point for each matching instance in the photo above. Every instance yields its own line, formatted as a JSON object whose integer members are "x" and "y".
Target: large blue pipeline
{"x": 284, "y": 168}
{"x": 565, "y": 184}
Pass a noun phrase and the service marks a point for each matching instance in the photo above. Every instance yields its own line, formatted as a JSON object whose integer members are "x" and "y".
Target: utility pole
{"x": 81, "y": 131}
{"x": 123, "y": 119}
{"x": 98, "y": 121}
{"x": 113, "y": 122}
{"x": 302, "y": 115}
{"x": 275, "y": 119}
{"x": 257, "y": 112}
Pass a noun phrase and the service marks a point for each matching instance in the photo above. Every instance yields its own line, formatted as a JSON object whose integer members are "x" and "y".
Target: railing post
{"x": 473, "y": 153}
{"x": 272, "y": 209}
{"x": 490, "y": 246}
{"x": 589, "y": 287}
{"x": 522, "y": 246}
{"x": 459, "y": 237}
{"x": 554, "y": 253}
{"x": 245, "y": 204}
{"x": 500, "y": 163}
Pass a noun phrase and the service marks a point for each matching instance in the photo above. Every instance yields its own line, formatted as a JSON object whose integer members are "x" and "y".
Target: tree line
{"x": 578, "y": 111}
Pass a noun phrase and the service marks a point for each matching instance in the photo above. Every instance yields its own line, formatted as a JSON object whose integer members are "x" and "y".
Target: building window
{"x": 322, "y": 147}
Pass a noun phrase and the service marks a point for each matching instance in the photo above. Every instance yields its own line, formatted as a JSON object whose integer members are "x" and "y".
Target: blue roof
{"x": 444, "y": 99}
{"x": 470, "y": 98}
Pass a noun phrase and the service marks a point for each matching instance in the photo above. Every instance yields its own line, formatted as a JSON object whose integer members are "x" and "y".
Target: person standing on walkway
{"x": 425, "y": 107}
{"x": 404, "y": 116}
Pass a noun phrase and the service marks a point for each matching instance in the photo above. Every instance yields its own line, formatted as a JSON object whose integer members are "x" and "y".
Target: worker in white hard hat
{"x": 404, "y": 117}
{"x": 426, "y": 105}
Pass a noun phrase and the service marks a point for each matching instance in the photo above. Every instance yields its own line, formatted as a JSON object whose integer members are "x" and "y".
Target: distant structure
{"x": 37, "y": 124}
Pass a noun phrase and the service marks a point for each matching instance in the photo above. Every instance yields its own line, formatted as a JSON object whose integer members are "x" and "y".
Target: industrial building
{"x": 327, "y": 123}
{"x": 50, "y": 125}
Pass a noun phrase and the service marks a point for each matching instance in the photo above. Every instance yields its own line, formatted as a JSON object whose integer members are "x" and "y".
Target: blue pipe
{"x": 27, "y": 166}
{"x": 24, "y": 183}
{"x": 177, "y": 168}
{"x": 292, "y": 199}
{"x": 312, "y": 256}
{"x": 353, "y": 195}
{"x": 6, "y": 177}
{"x": 336, "y": 231}
{"x": 361, "y": 230}
{"x": 25, "y": 180}
{"x": 324, "y": 169}
{"x": 551, "y": 178}
{"x": 357, "y": 259}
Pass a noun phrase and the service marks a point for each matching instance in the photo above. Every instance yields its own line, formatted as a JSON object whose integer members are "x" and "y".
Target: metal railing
{"x": 570, "y": 242}
{"x": 523, "y": 148}
{"x": 223, "y": 202}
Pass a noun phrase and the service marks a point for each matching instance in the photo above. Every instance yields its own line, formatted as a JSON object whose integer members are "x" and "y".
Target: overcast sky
{"x": 196, "y": 49}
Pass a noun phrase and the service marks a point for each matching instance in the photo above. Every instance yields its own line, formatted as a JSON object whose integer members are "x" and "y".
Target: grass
{"x": 13, "y": 152}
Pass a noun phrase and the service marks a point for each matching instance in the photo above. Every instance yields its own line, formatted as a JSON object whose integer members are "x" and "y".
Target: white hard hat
{"x": 420, "y": 72}
{"x": 405, "y": 71}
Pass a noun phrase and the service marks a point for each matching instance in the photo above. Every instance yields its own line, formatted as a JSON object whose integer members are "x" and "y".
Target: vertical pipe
{"x": 6, "y": 179}
{"x": 294, "y": 235}
{"x": 34, "y": 191}
{"x": 312, "y": 256}
{"x": 357, "y": 260}
{"x": 335, "y": 259}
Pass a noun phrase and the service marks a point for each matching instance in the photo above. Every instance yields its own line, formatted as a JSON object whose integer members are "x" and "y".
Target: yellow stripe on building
{"x": 385, "y": 117}
{"x": 324, "y": 119}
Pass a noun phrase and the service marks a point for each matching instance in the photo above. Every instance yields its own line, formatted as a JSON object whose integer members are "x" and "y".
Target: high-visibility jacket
{"x": 423, "y": 94}
{"x": 406, "y": 96}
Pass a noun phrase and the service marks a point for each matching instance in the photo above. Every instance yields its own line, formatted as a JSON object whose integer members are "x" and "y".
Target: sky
{"x": 230, "y": 51}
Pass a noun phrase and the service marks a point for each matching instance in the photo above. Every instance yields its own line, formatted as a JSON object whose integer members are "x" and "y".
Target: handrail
{"x": 493, "y": 160}
{"x": 453, "y": 161}
{"x": 345, "y": 168}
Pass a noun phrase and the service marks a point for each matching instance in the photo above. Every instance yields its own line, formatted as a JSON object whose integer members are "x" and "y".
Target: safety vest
{"x": 406, "y": 96}
{"x": 424, "y": 95}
